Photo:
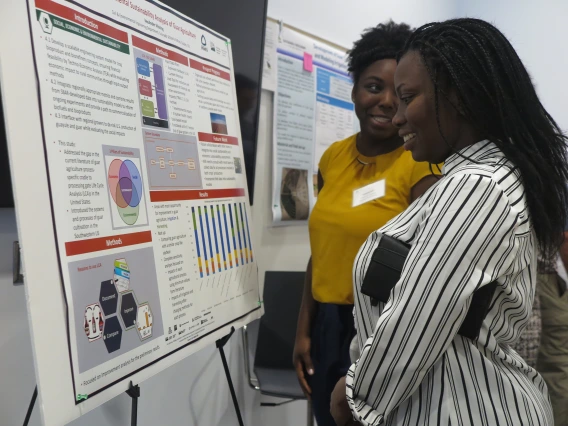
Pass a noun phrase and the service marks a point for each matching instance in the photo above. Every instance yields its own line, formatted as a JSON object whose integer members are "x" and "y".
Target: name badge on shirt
{"x": 369, "y": 192}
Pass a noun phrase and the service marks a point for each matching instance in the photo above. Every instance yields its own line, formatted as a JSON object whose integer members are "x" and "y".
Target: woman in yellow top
{"x": 364, "y": 181}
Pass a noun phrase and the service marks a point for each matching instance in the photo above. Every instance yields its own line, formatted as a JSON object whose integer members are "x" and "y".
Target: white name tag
{"x": 369, "y": 192}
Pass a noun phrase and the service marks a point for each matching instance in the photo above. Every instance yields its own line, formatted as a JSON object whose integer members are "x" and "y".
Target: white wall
{"x": 194, "y": 392}
{"x": 538, "y": 32}
{"x": 342, "y": 22}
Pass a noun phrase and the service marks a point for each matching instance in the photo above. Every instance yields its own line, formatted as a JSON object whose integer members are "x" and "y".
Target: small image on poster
{"x": 172, "y": 161}
{"x": 219, "y": 124}
{"x": 117, "y": 305}
{"x": 125, "y": 187}
{"x": 151, "y": 89}
{"x": 294, "y": 195}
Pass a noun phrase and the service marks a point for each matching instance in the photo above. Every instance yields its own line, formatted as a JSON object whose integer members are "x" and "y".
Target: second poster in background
{"x": 312, "y": 109}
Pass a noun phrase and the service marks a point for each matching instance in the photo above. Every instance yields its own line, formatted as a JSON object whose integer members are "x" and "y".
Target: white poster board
{"x": 312, "y": 109}
{"x": 130, "y": 192}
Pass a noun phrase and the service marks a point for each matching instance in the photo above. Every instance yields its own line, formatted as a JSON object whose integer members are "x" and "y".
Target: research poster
{"x": 312, "y": 109}
{"x": 147, "y": 183}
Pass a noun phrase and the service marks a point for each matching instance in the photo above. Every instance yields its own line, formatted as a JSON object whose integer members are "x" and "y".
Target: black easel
{"x": 31, "y": 407}
{"x": 220, "y": 344}
{"x": 134, "y": 393}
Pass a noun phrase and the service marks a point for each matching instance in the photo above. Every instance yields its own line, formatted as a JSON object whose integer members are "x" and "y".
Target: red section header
{"x": 159, "y": 51}
{"x": 107, "y": 243}
{"x": 83, "y": 20}
{"x": 209, "y": 70}
{"x": 211, "y": 137}
{"x": 205, "y": 194}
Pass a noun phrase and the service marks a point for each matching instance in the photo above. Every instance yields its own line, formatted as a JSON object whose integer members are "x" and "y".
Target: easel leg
{"x": 220, "y": 343}
{"x": 310, "y": 414}
{"x": 134, "y": 393}
{"x": 31, "y": 407}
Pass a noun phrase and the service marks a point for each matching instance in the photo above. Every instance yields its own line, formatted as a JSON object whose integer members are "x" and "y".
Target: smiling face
{"x": 416, "y": 115}
{"x": 375, "y": 100}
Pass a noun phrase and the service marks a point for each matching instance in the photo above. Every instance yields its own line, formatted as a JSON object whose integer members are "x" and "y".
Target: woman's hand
{"x": 303, "y": 362}
{"x": 340, "y": 410}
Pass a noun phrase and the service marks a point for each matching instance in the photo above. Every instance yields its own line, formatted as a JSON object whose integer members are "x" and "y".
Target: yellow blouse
{"x": 337, "y": 229}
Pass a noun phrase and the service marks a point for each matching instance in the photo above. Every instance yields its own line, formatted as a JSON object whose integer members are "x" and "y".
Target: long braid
{"x": 496, "y": 95}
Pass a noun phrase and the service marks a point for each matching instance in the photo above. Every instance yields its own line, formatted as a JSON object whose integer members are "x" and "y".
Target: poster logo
{"x": 45, "y": 22}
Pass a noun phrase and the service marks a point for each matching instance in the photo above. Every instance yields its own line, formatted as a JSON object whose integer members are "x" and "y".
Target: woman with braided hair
{"x": 465, "y": 99}
{"x": 373, "y": 159}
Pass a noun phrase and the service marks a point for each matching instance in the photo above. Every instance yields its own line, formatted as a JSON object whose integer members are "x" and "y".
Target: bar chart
{"x": 222, "y": 237}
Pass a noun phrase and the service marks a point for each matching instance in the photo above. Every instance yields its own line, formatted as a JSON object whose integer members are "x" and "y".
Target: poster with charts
{"x": 149, "y": 198}
{"x": 312, "y": 110}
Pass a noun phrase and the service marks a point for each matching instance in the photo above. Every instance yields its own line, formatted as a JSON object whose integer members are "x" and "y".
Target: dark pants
{"x": 332, "y": 333}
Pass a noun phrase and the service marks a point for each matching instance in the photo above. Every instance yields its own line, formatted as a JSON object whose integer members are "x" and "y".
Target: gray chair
{"x": 272, "y": 337}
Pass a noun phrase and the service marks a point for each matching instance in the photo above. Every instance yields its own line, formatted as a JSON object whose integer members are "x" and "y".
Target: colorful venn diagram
{"x": 125, "y": 186}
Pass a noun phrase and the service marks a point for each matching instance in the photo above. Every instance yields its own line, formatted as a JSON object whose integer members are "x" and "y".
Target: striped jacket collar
{"x": 473, "y": 154}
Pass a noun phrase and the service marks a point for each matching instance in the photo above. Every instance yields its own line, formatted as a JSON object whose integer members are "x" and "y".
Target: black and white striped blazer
{"x": 468, "y": 230}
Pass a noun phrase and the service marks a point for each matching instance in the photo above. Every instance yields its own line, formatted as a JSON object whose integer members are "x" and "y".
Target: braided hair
{"x": 496, "y": 95}
{"x": 384, "y": 41}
